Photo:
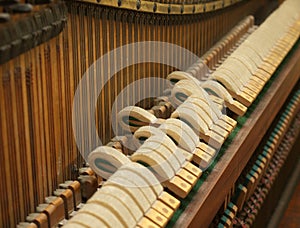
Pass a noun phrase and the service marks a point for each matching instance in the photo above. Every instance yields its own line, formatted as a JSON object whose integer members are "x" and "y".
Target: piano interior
{"x": 140, "y": 113}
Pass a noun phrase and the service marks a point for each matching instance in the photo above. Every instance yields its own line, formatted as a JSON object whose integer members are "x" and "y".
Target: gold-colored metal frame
{"x": 164, "y": 8}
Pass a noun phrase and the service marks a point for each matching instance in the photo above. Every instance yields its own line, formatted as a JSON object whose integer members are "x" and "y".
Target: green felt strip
{"x": 253, "y": 172}
{"x": 255, "y": 168}
{"x": 247, "y": 179}
{"x": 238, "y": 192}
{"x": 227, "y": 213}
{"x": 271, "y": 139}
{"x": 270, "y": 144}
{"x": 266, "y": 147}
{"x": 274, "y": 134}
{"x": 283, "y": 118}
{"x": 280, "y": 124}
{"x": 220, "y": 225}
{"x": 265, "y": 154}
{"x": 260, "y": 158}
{"x": 230, "y": 207}
{"x": 224, "y": 220}
{"x": 277, "y": 130}
{"x": 259, "y": 163}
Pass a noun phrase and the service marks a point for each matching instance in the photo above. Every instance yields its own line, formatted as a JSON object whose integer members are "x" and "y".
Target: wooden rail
{"x": 207, "y": 201}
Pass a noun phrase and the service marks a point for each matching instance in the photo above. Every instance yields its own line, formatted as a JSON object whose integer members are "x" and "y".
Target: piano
{"x": 147, "y": 113}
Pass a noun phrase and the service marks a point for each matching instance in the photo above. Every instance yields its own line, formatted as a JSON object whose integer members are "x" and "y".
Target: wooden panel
{"x": 291, "y": 216}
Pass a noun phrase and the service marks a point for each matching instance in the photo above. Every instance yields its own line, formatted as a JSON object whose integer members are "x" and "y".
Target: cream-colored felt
{"x": 255, "y": 50}
{"x": 167, "y": 142}
{"x": 136, "y": 181}
{"x": 233, "y": 75}
{"x": 86, "y": 220}
{"x": 204, "y": 106}
{"x": 218, "y": 89}
{"x": 184, "y": 89}
{"x": 199, "y": 126}
{"x": 133, "y": 117}
{"x": 126, "y": 198}
{"x": 115, "y": 205}
{"x": 185, "y": 127}
{"x": 179, "y": 135}
{"x": 253, "y": 55}
{"x": 147, "y": 187}
{"x": 176, "y": 76}
{"x": 238, "y": 70}
{"x": 245, "y": 59}
{"x": 159, "y": 165}
{"x": 227, "y": 81}
{"x": 184, "y": 140}
{"x": 104, "y": 213}
{"x": 212, "y": 115}
{"x": 146, "y": 174}
{"x": 105, "y": 160}
{"x": 148, "y": 131}
{"x": 158, "y": 136}
{"x": 75, "y": 224}
{"x": 199, "y": 110}
{"x": 211, "y": 105}
{"x": 142, "y": 202}
{"x": 192, "y": 119}
{"x": 157, "y": 147}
